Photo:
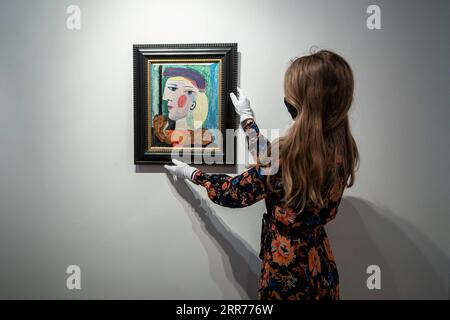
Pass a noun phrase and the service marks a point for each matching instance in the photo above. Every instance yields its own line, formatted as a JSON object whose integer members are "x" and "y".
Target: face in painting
{"x": 180, "y": 94}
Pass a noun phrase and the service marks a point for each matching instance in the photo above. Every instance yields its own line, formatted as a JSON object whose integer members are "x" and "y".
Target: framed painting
{"x": 181, "y": 102}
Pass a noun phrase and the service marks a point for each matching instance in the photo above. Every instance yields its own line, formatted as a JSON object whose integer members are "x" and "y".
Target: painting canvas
{"x": 182, "y": 99}
{"x": 184, "y": 104}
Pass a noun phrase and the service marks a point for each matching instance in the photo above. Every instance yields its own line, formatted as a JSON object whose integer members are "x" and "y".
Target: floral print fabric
{"x": 297, "y": 260}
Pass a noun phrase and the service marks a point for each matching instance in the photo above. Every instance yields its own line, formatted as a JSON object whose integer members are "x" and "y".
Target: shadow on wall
{"x": 361, "y": 235}
{"x": 241, "y": 263}
{"x": 364, "y": 234}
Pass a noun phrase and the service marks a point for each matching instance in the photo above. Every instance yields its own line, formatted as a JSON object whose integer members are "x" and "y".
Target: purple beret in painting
{"x": 187, "y": 73}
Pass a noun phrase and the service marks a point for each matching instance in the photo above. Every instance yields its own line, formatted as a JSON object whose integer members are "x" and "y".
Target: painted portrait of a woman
{"x": 184, "y": 110}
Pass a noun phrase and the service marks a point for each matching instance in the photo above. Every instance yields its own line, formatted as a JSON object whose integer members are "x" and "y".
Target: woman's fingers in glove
{"x": 241, "y": 93}
{"x": 171, "y": 169}
{"x": 234, "y": 100}
{"x": 239, "y": 101}
{"x": 181, "y": 169}
{"x": 242, "y": 105}
{"x": 178, "y": 162}
{"x": 239, "y": 98}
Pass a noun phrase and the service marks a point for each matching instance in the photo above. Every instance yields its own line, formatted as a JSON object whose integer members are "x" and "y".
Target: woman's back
{"x": 297, "y": 260}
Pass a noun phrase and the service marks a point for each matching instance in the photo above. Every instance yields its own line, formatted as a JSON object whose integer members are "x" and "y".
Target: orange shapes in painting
{"x": 181, "y": 137}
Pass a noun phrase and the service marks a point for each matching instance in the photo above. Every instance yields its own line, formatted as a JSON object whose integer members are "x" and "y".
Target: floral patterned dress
{"x": 297, "y": 260}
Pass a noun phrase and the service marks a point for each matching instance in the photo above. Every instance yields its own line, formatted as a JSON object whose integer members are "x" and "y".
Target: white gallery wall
{"x": 70, "y": 193}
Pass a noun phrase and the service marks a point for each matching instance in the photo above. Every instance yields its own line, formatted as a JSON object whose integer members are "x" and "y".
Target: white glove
{"x": 242, "y": 106}
{"x": 181, "y": 169}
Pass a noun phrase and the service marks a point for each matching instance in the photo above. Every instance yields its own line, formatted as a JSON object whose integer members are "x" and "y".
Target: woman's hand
{"x": 242, "y": 106}
{"x": 181, "y": 169}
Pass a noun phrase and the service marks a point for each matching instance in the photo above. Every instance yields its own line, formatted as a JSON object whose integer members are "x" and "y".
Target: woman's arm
{"x": 234, "y": 192}
{"x": 257, "y": 143}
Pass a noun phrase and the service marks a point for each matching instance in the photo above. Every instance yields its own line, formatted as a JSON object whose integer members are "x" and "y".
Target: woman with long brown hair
{"x": 317, "y": 159}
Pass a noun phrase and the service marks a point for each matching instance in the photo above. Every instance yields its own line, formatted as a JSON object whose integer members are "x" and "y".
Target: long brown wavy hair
{"x": 320, "y": 86}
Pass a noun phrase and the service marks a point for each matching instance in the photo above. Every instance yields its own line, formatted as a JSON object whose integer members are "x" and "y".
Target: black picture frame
{"x": 143, "y": 54}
